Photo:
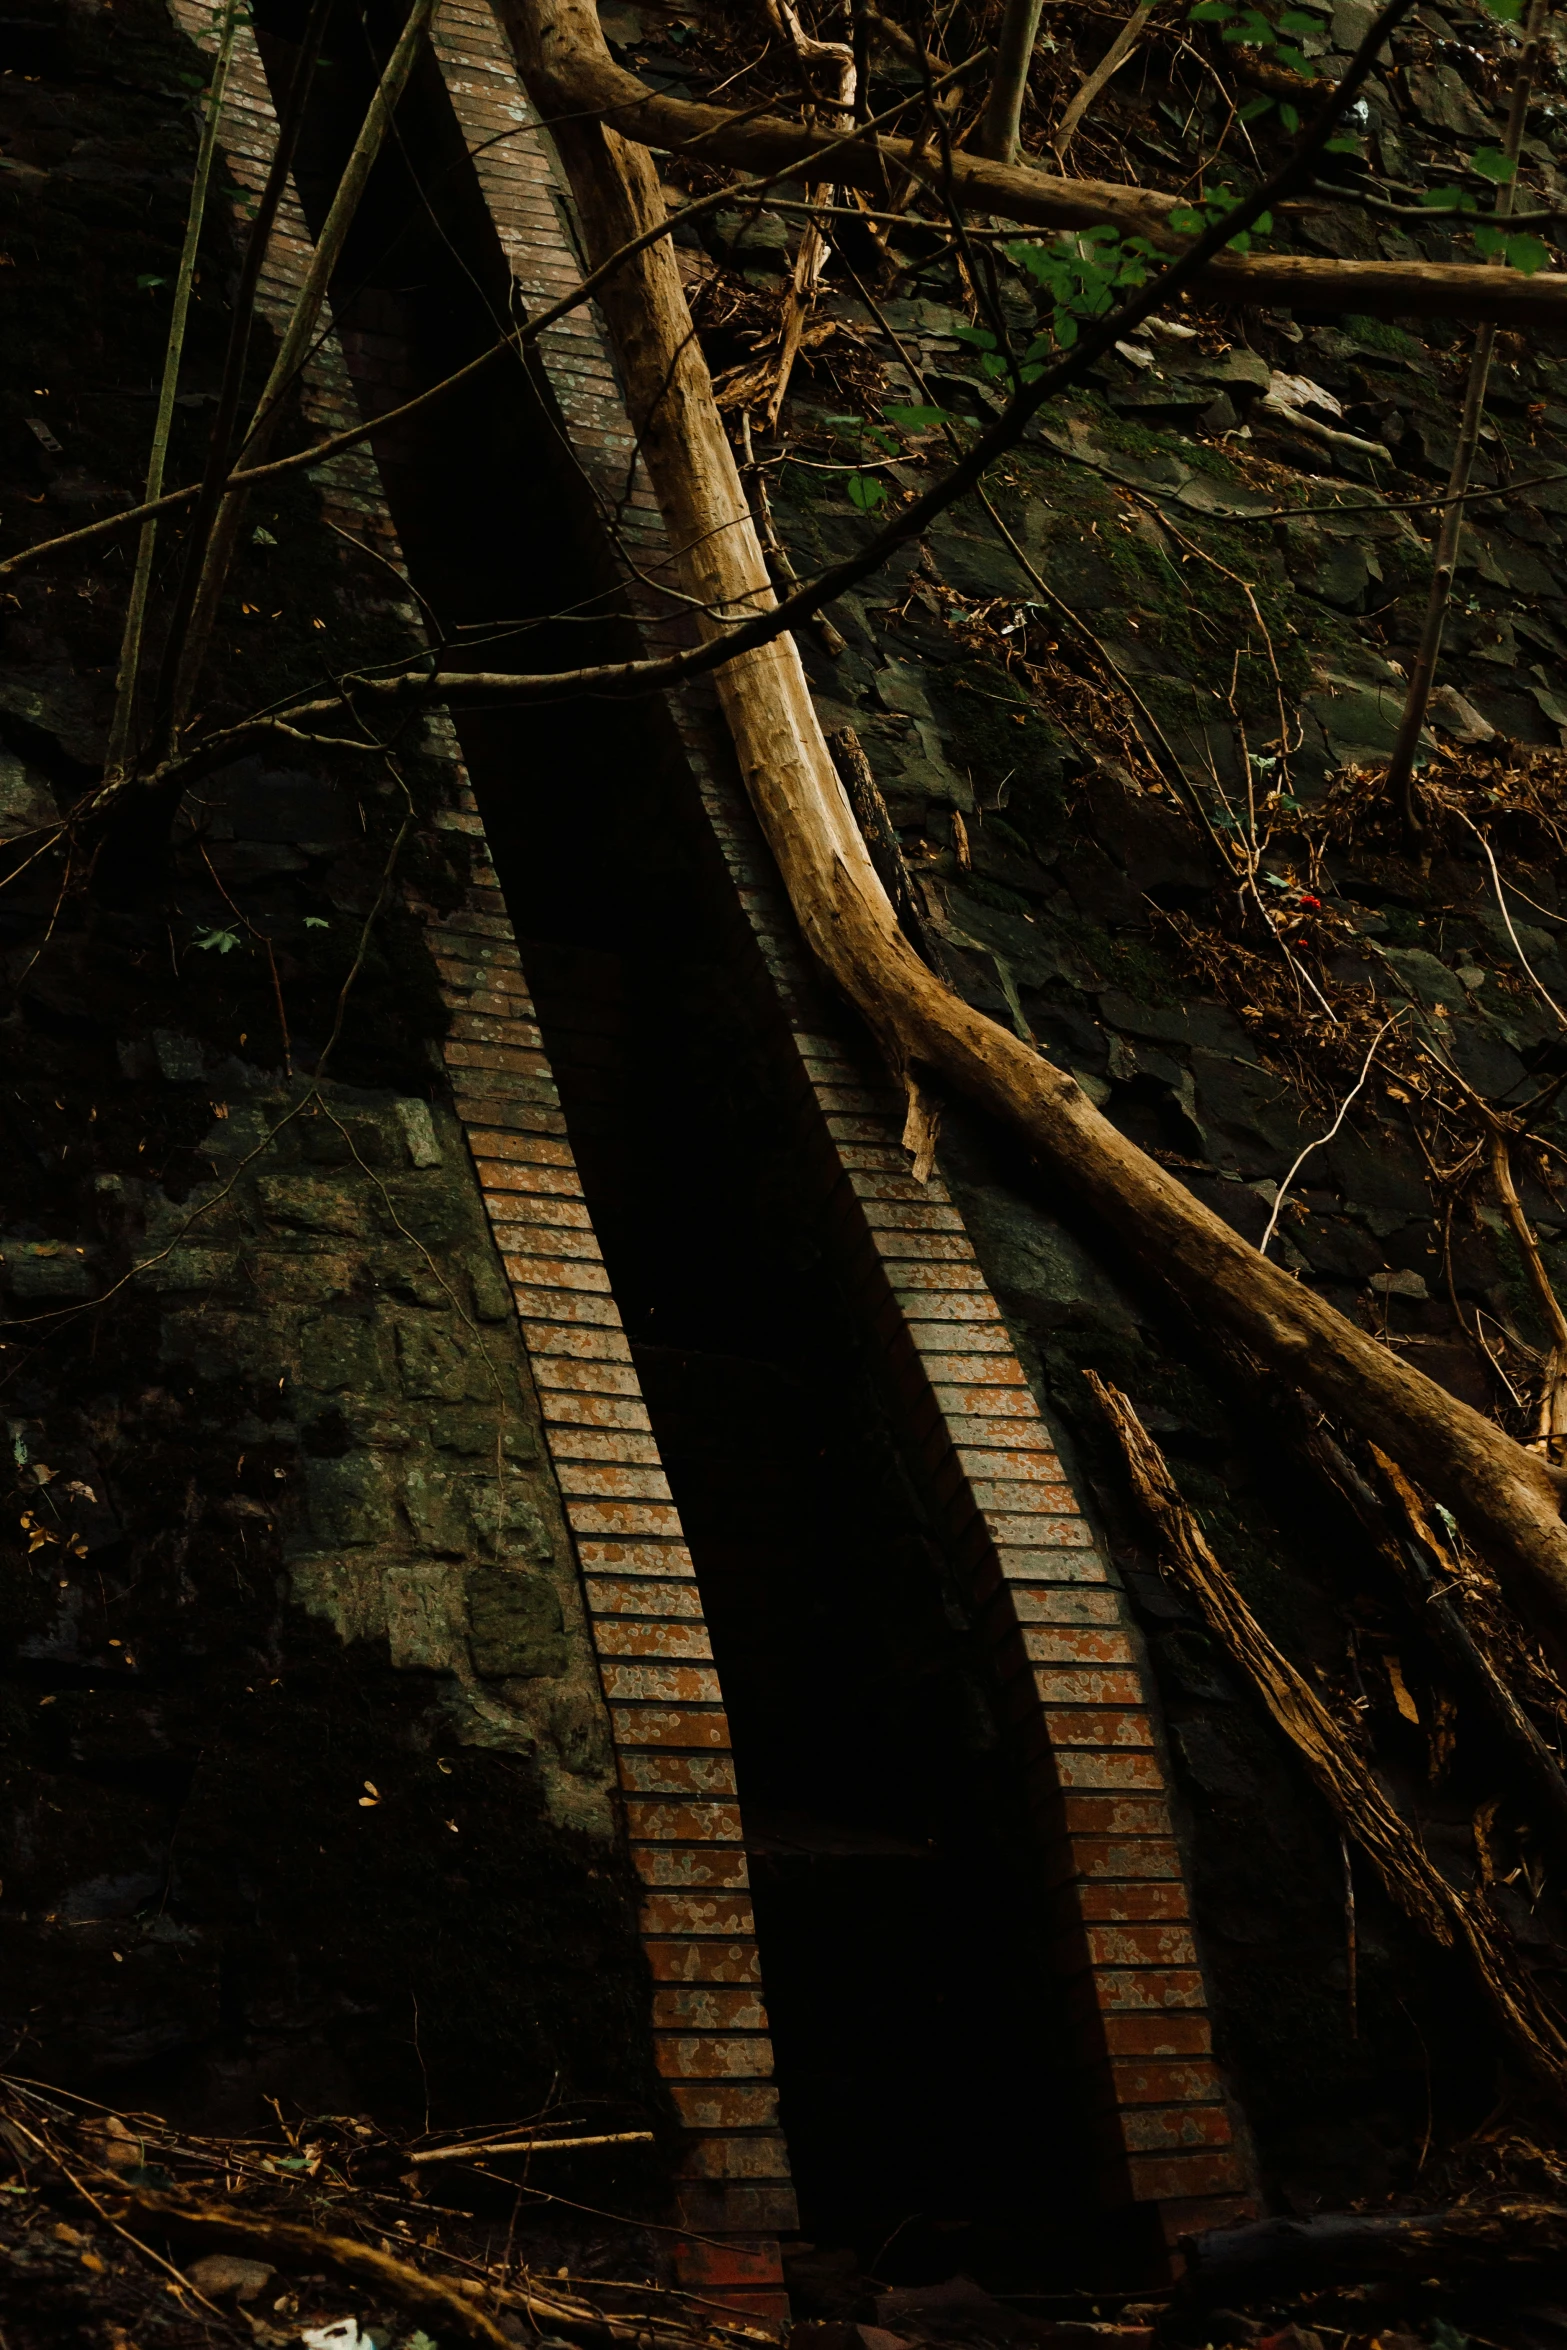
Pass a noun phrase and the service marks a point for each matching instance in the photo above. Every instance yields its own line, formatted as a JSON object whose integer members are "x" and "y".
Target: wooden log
{"x": 571, "y": 72}
{"x": 1270, "y": 2254}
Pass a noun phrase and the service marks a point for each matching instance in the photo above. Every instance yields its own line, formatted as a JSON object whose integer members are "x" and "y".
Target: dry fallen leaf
{"x": 1401, "y": 1697}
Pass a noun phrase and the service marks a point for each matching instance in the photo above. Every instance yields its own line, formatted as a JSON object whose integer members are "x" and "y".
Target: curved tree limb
{"x": 573, "y": 73}
{"x": 1507, "y": 1499}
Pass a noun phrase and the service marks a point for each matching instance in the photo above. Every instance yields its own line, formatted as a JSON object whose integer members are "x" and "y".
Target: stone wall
{"x": 308, "y": 1785}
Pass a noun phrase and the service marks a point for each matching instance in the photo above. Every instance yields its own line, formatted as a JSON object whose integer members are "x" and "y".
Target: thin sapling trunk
{"x": 123, "y": 722}
{"x": 225, "y": 422}
{"x": 1001, "y": 121}
{"x": 294, "y": 349}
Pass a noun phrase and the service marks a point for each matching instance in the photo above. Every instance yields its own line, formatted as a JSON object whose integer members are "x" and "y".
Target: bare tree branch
{"x": 575, "y": 75}
{"x": 1104, "y": 72}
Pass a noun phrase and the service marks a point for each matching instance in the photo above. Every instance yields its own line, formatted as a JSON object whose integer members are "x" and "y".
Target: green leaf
{"x": 1262, "y": 226}
{"x": 881, "y": 440}
{"x": 1295, "y": 20}
{"x": 1441, "y": 199}
{"x": 1101, "y": 234}
{"x": 979, "y": 336}
{"x": 1343, "y": 146}
{"x": 317, "y": 922}
{"x": 1254, "y": 109}
{"x": 1526, "y": 254}
{"x": 144, "y": 285}
{"x": 1296, "y": 60}
{"x": 1290, "y": 117}
{"x": 992, "y": 364}
{"x": 1045, "y": 266}
{"x": 1186, "y": 222}
{"x": 1239, "y": 243}
{"x": 417, "y": 2340}
{"x": 917, "y": 418}
{"x": 262, "y": 537}
{"x": 1065, "y": 329}
{"x": 1506, "y": 11}
{"x": 1490, "y": 241}
{"x": 1211, "y": 12}
{"x": 866, "y": 492}
{"x": 1492, "y": 164}
{"x": 221, "y": 942}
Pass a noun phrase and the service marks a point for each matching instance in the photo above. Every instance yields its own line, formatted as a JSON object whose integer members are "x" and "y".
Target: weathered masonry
{"x": 1060, "y": 1650}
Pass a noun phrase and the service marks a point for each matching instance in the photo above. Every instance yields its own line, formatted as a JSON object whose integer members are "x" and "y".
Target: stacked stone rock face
{"x": 1065, "y": 1653}
{"x": 646, "y": 1754}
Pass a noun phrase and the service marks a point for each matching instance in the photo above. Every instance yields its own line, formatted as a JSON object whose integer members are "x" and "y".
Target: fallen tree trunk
{"x": 571, "y": 72}
{"x": 1280, "y": 2253}
{"x": 1505, "y": 1497}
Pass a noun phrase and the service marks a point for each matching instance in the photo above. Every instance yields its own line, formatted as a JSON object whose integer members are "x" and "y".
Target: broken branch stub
{"x": 1504, "y": 1497}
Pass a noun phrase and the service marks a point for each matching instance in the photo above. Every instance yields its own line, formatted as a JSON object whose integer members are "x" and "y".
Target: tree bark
{"x": 1504, "y": 1497}
{"x": 573, "y": 73}
{"x": 1002, "y": 119}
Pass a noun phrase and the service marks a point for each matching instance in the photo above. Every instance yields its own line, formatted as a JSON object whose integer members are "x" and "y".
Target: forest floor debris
{"x": 120, "y": 2231}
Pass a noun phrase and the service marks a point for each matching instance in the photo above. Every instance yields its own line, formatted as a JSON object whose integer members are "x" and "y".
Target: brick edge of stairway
{"x": 1065, "y": 1651}
{"x": 661, "y": 1689}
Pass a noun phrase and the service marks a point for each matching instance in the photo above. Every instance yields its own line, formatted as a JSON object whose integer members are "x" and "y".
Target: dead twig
{"x": 1323, "y": 1139}
{"x": 528, "y": 2146}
